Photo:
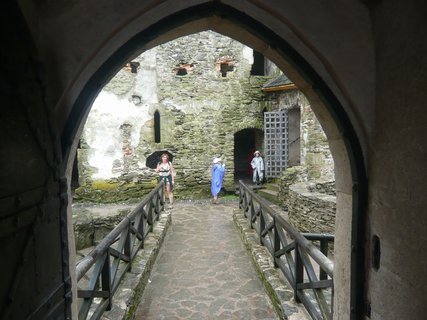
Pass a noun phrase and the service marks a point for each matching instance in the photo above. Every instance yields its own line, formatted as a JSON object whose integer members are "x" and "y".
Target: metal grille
{"x": 276, "y": 137}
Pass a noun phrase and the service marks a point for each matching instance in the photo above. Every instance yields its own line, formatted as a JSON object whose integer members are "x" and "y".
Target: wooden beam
{"x": 282, "y": 87}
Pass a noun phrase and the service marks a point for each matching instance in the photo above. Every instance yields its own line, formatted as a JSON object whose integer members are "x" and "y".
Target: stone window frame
{"x": 182, "y": 69}
{"x": 224, "y": 65}
{"x": 133, "y": 66}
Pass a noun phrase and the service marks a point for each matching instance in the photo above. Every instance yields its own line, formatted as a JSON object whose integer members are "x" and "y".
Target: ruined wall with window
{"x": 189, "y": 97}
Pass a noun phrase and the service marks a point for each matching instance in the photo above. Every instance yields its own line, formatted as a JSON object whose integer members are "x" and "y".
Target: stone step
{"x": 270, "y": 195}
{"x": 272, "y": 186}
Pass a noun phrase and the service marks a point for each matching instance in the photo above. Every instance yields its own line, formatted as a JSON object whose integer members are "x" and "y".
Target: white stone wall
{"x": 199, "y": 114}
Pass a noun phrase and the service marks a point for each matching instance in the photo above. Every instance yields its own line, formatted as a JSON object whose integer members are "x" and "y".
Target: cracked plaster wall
{"x": 199, "y": 114}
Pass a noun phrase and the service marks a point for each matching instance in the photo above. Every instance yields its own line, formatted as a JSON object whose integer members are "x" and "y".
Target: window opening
{"x": 225, "y": 67}
{"x": 181, "y": 72}
{"x": 258, "y": 64}
{"x": 183, "y": 69}
{"x": 133, "y": 66}
{"x": 157, "y": 126}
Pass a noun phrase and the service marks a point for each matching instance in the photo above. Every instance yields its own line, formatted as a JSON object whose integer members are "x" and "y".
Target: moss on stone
{"x": 108, "y": 191}
{"x": 200, "y": 115}
{"x": 104, "y": 185}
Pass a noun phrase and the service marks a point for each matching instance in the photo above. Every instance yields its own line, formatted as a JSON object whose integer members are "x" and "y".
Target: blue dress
{"x": 217, "y": 177}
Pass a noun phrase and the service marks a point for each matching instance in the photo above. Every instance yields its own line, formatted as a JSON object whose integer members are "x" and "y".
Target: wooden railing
{"x": 306, "y": 267}
{"x": 100, "y": 272}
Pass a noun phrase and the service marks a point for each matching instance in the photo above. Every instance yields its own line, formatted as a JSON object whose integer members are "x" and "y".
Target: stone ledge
{"x": 277, "y": 288}
{"x": 301, "y": 188}
{"x": 128, "y": 295}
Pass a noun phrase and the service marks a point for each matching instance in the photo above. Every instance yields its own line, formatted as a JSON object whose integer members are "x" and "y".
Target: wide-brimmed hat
{"x": 257, "y": 152}
{"x": 216, "y": 160}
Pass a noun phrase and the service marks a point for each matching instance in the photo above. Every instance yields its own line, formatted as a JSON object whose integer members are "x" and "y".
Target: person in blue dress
{"x": 218, "y": 169}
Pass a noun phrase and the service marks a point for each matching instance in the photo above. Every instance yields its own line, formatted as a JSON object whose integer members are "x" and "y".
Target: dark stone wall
{"x": 33, "y": 199}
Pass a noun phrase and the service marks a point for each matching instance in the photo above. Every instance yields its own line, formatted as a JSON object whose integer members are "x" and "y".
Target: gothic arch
{"x": 344, "y": 141}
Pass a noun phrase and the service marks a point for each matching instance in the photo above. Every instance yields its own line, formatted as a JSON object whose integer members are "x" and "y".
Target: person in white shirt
{"x": 257, "y": 164}
{"x": 166, "y": 174}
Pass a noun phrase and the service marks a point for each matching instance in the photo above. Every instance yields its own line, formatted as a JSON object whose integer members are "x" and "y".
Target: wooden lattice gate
{"x": 276, "y": 139}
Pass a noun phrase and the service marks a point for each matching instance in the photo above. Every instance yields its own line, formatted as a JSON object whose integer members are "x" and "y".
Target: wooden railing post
{"x": 106, "y": 278}
{"x": 261, "y": 225}
{"x": 161, "y": 197}
{"x": 141, "y": 226}
{"x": 252, "y": 211}
{"x": 240, "y": 197}
{"x": 150, "y": 216}
{"x": 127, "y": 250}
{"x": 276, "y": 243}
{"x": 299, "y": 272}
{"x": 245, "y": 204}
{"x": 156, "y": 211}
{"x": 324, "y": 250}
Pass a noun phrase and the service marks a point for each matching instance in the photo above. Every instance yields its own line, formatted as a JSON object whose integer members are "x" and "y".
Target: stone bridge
{"x": 204, "y": 261}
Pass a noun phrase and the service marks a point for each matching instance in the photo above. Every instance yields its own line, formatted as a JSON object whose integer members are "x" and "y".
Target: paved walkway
{"x": 203, "y": 270}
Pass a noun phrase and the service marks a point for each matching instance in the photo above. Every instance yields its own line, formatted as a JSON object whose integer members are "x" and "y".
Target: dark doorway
{"x": 246, "y": 142}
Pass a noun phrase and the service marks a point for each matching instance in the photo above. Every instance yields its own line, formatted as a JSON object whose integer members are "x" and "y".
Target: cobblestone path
{"x": 203, "y": 270}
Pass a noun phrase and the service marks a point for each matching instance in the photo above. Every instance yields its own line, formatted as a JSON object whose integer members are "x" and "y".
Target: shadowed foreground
{"x": 203, "y": 270}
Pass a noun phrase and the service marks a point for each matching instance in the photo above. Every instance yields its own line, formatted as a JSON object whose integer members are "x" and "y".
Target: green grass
{"x": 229, "y": 196}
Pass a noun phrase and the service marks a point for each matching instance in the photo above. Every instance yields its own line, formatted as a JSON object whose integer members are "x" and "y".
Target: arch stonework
{"x": 327, "y": 49}
{"x": 141, "y": 27}
{"x": 227, "y": 20}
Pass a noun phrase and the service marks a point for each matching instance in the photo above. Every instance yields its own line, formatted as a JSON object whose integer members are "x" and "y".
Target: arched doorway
{"x": 246, "y": 141}
{"x": 345, "y": 145}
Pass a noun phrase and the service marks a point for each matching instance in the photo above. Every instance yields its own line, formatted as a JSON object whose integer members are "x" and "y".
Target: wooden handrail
{"x": 305, "y": 244}
{"x": 88, "y": 261}
{"x": 127, "y": 237}
{"x": 270, "y": 225}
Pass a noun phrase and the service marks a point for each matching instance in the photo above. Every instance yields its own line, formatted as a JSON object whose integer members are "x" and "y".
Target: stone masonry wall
{"x": 315, "y": 153}
{"x": 307, "y": 191}
{"x": 202, "y": 88}
{"x": 311, "y": 211}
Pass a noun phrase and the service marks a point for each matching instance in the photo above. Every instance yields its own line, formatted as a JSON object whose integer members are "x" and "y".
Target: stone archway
{"x": 53, "y": 49}
{"x": 344, "y": 142}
